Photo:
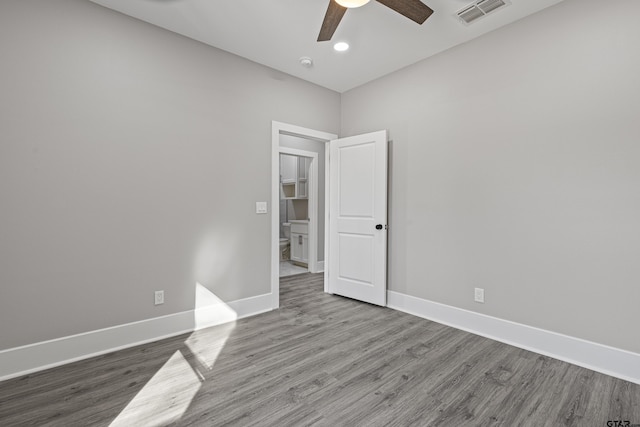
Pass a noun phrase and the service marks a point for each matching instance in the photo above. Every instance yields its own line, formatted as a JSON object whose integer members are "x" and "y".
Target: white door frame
{"x": 312, "y": 197}
{"x": 277, "y": 129}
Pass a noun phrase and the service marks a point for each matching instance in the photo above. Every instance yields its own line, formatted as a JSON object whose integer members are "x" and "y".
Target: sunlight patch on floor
{"x": 168, "y": 394}
{"x": 206, "y": 345}
{"x": 165, "y": 398}
{"x": 210, "y": 311}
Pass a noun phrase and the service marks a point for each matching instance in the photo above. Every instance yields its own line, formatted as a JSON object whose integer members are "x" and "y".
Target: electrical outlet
{"x": 159, "y": 297}
{"x": 479, "y": 295}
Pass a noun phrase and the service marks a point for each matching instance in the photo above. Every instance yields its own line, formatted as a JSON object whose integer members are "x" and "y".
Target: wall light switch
{"x": 261, "y": 207}
{"x": 478, "y": 295}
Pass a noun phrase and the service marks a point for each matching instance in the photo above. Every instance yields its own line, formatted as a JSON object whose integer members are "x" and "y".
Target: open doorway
{"x": 301, "y": 188}
{"x": 294, "y": 140}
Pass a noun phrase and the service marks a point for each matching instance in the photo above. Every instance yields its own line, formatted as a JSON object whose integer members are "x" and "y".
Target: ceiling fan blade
{"x": 332, "y": 18}
{"x": 412, "y": 9}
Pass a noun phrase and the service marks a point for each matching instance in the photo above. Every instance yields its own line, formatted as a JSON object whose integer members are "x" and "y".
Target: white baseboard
{"x": 31, "y": 358}
{"x": 320, "y": 266}
{"x": 219, "y": 313}
{"x": 18, "y": 361}
{"x": 597, "y": 357}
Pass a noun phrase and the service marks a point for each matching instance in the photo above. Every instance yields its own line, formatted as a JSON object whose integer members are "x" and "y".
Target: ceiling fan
{"x": 412, "y": 9}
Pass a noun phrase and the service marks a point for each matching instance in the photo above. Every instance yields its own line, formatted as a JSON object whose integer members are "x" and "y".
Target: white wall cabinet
{"x": 288, "y": 167}
{"x": 302, "y": 180}
{"x": 294, "y": 173}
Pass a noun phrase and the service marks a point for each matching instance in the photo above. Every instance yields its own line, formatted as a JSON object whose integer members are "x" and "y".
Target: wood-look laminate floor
{"x": 320, "y": 360}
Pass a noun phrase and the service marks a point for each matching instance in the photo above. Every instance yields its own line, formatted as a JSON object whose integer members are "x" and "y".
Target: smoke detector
{"x": 478, "y": 9}
{"x": 306, "y": 62}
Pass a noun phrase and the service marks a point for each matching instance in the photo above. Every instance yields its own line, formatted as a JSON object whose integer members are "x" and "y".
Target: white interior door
{"x": 358, "y": 217}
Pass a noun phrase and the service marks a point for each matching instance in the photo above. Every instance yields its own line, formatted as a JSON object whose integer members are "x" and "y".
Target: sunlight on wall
{"x": 211, "y": 310}
{"x": 215, "y": 253}
{"x": 165, "y": 398}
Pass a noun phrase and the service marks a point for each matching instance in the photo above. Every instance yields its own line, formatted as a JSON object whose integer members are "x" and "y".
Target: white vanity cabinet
{"x": 300, "y": 242}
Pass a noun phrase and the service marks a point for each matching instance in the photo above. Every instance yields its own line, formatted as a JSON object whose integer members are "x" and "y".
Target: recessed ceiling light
{"x": 341, "y": 46}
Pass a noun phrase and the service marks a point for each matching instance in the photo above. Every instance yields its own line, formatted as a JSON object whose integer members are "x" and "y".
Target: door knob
{"x": 379, "y": 227}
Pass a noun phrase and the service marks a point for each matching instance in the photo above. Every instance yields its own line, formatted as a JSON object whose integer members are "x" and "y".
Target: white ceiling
{"x": 277, "y": 33}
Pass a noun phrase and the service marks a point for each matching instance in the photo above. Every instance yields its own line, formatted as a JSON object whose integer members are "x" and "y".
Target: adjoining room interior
{"x": 301, "y": 187}
{"x": 148, "y": 196}
{"x": 294, "y": 214}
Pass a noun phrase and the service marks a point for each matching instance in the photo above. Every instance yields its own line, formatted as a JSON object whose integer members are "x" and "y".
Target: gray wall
{"x": 131, "y": 159}
{"x": 316, "y": 147}
{"x": 515, "y": 167}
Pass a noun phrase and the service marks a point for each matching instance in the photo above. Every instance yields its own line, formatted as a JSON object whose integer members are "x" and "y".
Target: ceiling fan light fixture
{"x": 415, "y": 10}
{"x": 352, "y": 3}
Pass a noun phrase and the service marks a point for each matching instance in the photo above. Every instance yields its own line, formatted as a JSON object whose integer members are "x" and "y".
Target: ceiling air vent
{"x": 479, "y": 9}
